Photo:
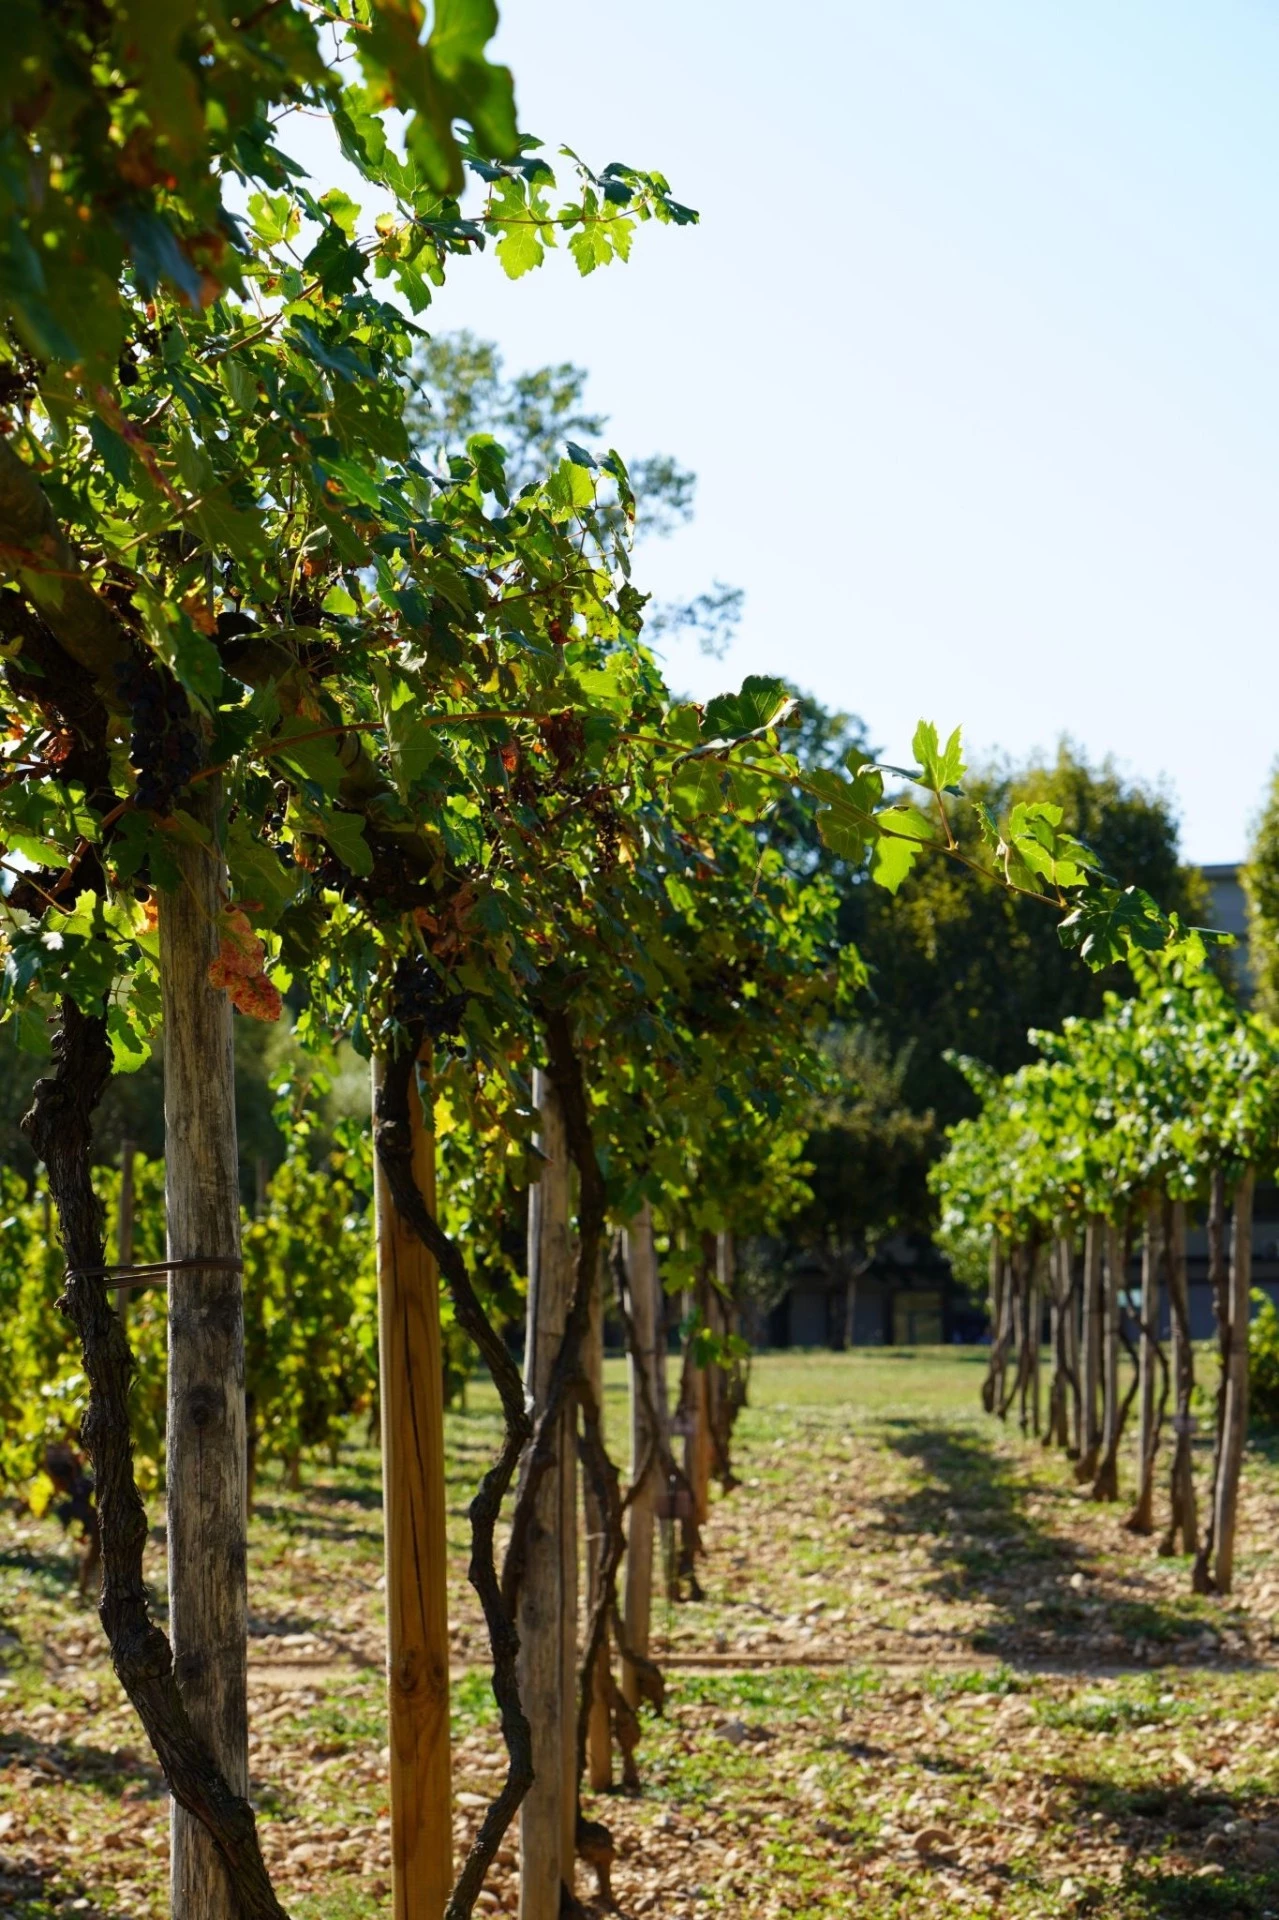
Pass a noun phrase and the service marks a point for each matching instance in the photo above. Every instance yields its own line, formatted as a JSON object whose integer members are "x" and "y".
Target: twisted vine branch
{"x": 60, "y": 1129}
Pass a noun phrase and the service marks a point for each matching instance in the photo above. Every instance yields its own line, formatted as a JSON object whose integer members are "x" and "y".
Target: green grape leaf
{"x": 520, "y": 250}
{"x": 900, "y": 818}
{"x": 1107, "y": 923}
{"x": 130, "y": 1047}
{"x": 257, "y": 877}
{"x": 345, "y": 834}
{"x": 762, "y": 702}
{"x": 696, "y": 788}
{"x": 942, "y": 767}
{"x": 893, "y": 861}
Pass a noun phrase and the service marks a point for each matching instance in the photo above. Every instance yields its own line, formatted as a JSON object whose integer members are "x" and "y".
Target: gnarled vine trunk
{"x": 599, "y": 1742}
{"x": 60, "y": 1129}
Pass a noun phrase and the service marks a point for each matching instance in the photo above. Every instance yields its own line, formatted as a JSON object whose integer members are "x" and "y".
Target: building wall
{"x": 1229, "y": 914}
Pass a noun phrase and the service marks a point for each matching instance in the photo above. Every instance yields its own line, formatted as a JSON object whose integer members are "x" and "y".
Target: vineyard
{"x": 401, "y": 1515}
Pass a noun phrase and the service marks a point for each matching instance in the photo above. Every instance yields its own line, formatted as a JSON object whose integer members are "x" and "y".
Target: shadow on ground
{"x": 31, "y": 1892}
{"x": 1212, "y": 1851}
{"x": 109, "y": 1770}
{"x": 971, "y": 1511}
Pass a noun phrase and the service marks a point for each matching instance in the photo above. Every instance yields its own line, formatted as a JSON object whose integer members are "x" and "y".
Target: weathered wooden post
{"x": 1070, "y": 1310}
{"x": 547, "y": 1611}
{"x": 1183, "y": 1517}
{"x": 646, "y": 1365}
{"x": 695, "y": 1389}
{"x": 411, "y": 1391}
{"x": 1106, "y": 1480}
{"x": 1035, "y": 1324}
{"x": 1090, "y": 1441}
{"x": 1142, "y": 1517}
{"x": 205, "y": 1439}
{"x": 1235, "y": 1420}
{"x": 992, "y": 1391}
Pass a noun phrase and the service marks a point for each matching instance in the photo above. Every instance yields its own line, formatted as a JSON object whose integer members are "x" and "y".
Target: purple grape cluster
{"x": 420, "y": 997}
{"x": 163, "y": 744}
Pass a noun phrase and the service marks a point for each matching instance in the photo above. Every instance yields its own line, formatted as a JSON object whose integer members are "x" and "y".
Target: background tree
{"x": 1261, "y": 890}
{"x": 458, "y": 386}
{"x": 969, "y": 969}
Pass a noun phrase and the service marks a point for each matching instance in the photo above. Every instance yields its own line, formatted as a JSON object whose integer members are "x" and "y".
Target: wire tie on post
{"x": 146, "y": 1272}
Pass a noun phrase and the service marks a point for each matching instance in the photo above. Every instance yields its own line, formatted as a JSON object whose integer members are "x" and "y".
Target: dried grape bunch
{"x": 239, "y": 969}
{"x": 164, "y": 745}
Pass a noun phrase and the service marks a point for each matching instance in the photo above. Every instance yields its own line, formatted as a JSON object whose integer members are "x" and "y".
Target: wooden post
{"x": 722, "y": 1322}
{"x": 1023, "y": 1257}
{"x": 1055, "y": 1432}
{"x": 1219, "y": 1280}
{"x": 1035, "y": 1324}
{"x": 992, "y": 1391}
{"x": 599, "y": 1744}
{"x": 205, "y": 1444}
{"x": 1091, "y": 1368}
{"x": 1183, "y": 1517}
{"x": 414, "y": 1507}
{"x": 1142, "y": 1517}
{"x": 1106, "y": 1480}
{"x": 548, "y": 1595}
{"x": 1066, "y": 1281}
{"x": 695, "y": 1396}
{"x": 124, "y": 1222}
{"x": 1235, "y": 1422}
{"x": 646, "y": 1360}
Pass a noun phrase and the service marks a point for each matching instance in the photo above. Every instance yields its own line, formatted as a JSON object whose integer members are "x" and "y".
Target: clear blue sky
{"x": 973, "y": 353}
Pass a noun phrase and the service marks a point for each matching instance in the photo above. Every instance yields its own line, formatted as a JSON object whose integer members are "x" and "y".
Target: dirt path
{"x": 928, "y": 1678}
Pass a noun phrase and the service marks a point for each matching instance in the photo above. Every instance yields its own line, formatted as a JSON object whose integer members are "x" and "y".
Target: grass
{"x": 928, "y": 1678}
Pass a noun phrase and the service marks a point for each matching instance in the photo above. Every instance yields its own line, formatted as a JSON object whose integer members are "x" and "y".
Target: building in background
{"x": 1230, "y": 915}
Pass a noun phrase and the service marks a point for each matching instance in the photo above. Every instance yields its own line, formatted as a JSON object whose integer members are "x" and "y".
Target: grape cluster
{"x": 420, "y": 997}
{"x": 163, "y": 744}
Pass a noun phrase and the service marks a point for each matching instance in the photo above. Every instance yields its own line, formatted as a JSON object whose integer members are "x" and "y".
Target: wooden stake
{"x": 695, "y": 1395}
{"x": 641, "y": 1267}
{"x": 1235, "y": 1421}
{"x": 1142, "y": 1517}
{"x": 548, "y": 1595}
{"x": 205, "y": 1445}
{"x": 124, "y": 1222}
{"x": 1106, "y": 1482}
{"x": 599, "y": 1745}
{"x": 1091, "y": 1309}
{"x": 1035, "y": 1327}
{"x": 992, "y": 1392}
{"x": 1219, "y": 1280}
{"x": 1183, "y": 1518}
{"x": 415, "y": 1516}
{"x": 1070, "y": 1316}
